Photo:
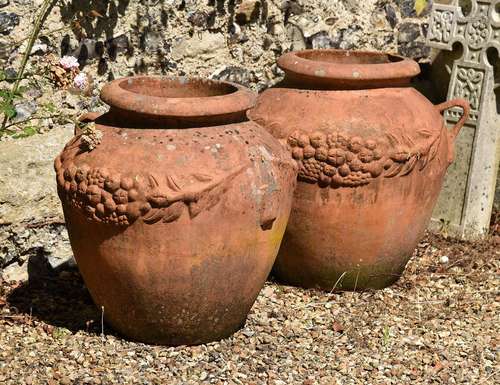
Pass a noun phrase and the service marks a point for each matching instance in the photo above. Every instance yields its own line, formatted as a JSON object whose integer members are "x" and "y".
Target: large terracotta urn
{"x": 175, "y": 206}
{"x": 372, "y": 153}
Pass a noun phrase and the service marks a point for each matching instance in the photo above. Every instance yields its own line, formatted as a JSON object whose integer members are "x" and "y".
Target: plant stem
{"x": 29, "y": 119}
{"x": 46, "y": 8}
{"x": 44, "y": 12}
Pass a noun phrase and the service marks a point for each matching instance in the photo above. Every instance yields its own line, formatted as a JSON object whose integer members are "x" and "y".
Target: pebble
{"x": 417, "y": 50}
{"x": 346, "y": 38}
{"x": 391, "y": 15}
{"x": 198, "y": 18}
{"x": 8, "y": 21}
{"x": 4, "y": 49}
{"x": 247, "y": 11}
{"x": 10, "y": 74}
{"x": 234, "y": 74}
{"x": 408, "y": 32}
{"x": 321, "y": 40}
{"x": 25, "y": 110}
{"x": 33, "y": 93}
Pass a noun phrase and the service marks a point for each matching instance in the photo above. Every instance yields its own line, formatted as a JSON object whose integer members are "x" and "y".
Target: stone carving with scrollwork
{"x": 472, "y": 77}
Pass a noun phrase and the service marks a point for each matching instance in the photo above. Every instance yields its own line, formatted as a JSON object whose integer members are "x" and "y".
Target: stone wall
{"x": 227, "y": 39}
{"x": 223, "y": 39}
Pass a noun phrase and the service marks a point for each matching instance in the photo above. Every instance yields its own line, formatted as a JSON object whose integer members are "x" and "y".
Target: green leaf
{"x": 50, "y": 107}
{"x": 59, "y": 333}
{"x": 26, "y": 132}
{"x": 20, "y": 91}
{"x": 9, "y": 111}
{"x": 420, "y": 6}
{"x": 4, "y": 94}
{"x": 6, "y": 105}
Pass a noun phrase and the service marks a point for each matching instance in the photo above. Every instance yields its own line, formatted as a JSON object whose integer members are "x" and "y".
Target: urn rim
{"x": 165, "y": 96}
{"x": 349, "y": 67}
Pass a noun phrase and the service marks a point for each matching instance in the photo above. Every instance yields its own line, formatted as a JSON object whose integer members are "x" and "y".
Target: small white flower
{"x": 81, "y": 81}
{"x": 69, "y": 62}
{"x": 444, "y": 259}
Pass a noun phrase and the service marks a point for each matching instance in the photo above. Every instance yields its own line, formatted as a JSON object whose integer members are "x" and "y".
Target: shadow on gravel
{"x": 57, "y": 299}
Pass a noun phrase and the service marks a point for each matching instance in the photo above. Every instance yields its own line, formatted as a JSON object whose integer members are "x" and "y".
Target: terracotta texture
{"x": 175, "y": 206}
{"x": 371, "y": 165}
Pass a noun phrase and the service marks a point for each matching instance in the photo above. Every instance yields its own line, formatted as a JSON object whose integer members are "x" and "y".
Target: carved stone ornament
{"x": 472, "y": 75}
{"x": 471, "y": 78}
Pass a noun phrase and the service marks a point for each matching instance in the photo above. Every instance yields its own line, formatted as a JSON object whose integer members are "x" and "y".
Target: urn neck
{"x": 164, "y": 102}
{"x": 331, "y": 69}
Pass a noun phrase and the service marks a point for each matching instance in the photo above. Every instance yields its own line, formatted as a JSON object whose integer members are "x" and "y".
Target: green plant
{"x": 7, "y": 100}
{"x": 7, "y": 104}
{"x": 386, "y": 335}
{"x": 444, "y": 227}
{"x": 25, "y": 132}
{"x": 420, "y": 6}
{"x": 60, "y": 332}
{"x": 7, "y": 97}
{"x": 49, "y": 107}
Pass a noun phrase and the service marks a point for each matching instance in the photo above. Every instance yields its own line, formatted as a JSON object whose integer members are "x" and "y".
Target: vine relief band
{"x": 337, "y": 160}
{"x": 110, "y": 197}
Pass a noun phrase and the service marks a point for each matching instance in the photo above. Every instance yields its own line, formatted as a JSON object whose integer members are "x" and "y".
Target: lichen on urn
{"x": 90, "y": 136}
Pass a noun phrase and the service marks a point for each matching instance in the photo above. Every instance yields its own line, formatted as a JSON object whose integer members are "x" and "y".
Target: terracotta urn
{"x": 176, "y": 206}
{"x": 372, "y": 153}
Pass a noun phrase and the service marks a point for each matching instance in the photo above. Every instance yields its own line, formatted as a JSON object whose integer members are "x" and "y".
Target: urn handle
{"x": 465, "y": 106}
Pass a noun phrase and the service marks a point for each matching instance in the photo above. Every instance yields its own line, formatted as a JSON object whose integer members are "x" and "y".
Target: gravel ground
{"x": 437, "y": 325}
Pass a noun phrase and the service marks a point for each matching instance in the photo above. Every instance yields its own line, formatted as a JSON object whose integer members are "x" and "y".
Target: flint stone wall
{"x": 223, "y": 39}
{"x": 235, "y": 39}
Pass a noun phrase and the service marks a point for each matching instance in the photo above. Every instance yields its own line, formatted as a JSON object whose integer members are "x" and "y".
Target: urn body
{"x": 175, "y": 206}
{"x": 372, "y": 153}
